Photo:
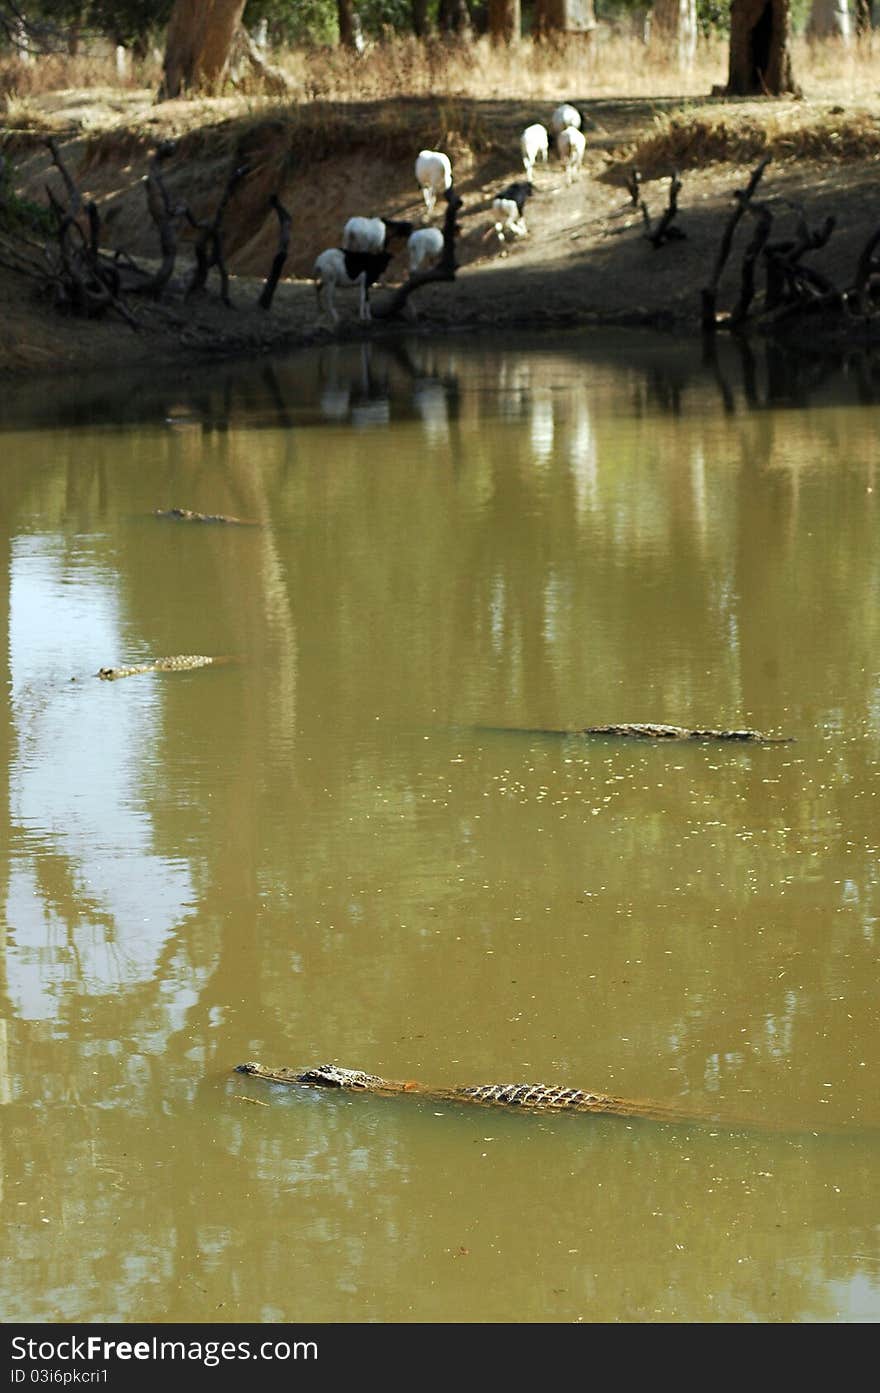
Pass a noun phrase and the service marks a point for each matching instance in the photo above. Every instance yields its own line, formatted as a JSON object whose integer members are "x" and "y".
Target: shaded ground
{"x": 585, "y": 259}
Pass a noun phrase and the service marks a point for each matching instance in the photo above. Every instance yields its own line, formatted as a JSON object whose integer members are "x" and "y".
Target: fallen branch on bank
{"x": 85, "y": 283}
{"x": 795, "y": 293}
{"x": 275, "y": 81}
{"x": 88, "y": 281}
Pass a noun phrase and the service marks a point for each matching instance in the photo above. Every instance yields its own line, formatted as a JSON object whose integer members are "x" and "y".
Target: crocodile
{"x": 181, "y": 662}
{"x": 653, "y": 732}
{"x": 530, "y": 1097}
{"x": 187, "y": 515}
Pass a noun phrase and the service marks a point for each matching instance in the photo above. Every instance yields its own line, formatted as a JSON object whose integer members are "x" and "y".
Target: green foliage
{"x": 376, "y": 15}
{"x": 20, "y": 214}
{"x": 129, "y": 21}
{"x": 713, "y": 17}
{"x": 314, "y": 21}
{"x": 305, "y": 21}
{"x": 800, "y": 14}
{"x": 51, "y": 22}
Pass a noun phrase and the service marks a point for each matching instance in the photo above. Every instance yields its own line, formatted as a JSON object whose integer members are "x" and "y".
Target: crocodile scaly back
{"x": 533, "y": 1095}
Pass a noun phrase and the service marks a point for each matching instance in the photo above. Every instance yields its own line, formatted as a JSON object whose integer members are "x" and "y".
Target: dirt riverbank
{"x": 585, "y": 259}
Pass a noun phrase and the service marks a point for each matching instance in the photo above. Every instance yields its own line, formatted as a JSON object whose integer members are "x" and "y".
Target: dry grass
{"x": 404, "y": 94}
{"x": 21, "y": 114}
{"x": 56, "y": 72}
{"x": 610, "y": 65}
{"x": 389, "y": 130}
{"x": 744, "y": 133}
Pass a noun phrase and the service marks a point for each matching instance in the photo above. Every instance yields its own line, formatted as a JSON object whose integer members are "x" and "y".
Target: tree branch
{"x": 284, "y": 221}
{"x": 444, "y": 270}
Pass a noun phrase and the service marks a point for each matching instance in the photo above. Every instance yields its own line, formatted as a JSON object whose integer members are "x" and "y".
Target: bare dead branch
{"x": 209, "y": 244}
{"x": 284, "y": 222}
{"x": 444, "y": 270}
{"x": 868, "y": 265}
{"x": 787, "y": 277}
{"x": 12, "y": 259}
{"x": 73, "y": 193}
{"x": 709, "y": 294}
{"x": 763, "y": 223}
{"x": 164, "y": 215}
{"x": 664, "y": 231}
{"x": 275, "y": 80}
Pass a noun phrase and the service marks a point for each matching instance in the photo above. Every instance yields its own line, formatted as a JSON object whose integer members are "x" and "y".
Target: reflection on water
{"x": 373, "y": 382}
{"x": 74, "y": 797}
{"x": 354, "y": 843}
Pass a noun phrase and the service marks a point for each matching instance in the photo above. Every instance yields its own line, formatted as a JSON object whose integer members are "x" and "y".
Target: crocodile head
{"x": 332, "y": 1076}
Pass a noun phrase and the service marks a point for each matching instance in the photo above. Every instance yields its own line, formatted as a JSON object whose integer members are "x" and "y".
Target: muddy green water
{"x": 338, "y": 848}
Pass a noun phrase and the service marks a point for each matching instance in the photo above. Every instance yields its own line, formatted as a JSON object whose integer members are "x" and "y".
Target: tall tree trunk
{"x": 675, "y": 23}
{"x": 564, "y": 17}
{"x": 349, "y": 29}
{"x": 829, "y": 19}
{"x": 505, "y": 21}
{"x": 453, "y": 17}
{"x": 760, "y": 56}
{"x": 198, "y": 44}
{"x": 420, "y": 25}
{"x": 74, "y": 32}
{"x": 864, "y": 17}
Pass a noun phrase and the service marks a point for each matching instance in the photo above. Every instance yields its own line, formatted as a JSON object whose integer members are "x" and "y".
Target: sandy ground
{"x": 585, "y": 259}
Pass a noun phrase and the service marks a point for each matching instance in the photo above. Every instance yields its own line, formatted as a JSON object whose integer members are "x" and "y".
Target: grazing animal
{"x": 511, "y": 204}
{"x": 534, "y": 144}
{"x": 373, "y": 234}
{"x": 433, "y": 176}
{"x": 570, "y": 146}
{"x": 565, "y": 115}
{"x": 425, "y": 248}
{"x": 335, "y": 267}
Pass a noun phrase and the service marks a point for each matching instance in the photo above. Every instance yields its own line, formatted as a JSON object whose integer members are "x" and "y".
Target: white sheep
{"x": 433, "y": 176}
{"x": 570, "y": 146}
{"x": 350, "y": 270}
{"x": 565, "y": 115}
{"x": 372, "y": 234}
{"x": 425, "y": 248}
{"x": 534, "y": 144}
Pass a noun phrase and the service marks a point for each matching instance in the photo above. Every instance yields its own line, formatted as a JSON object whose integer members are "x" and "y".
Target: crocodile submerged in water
{"x": 532, "y": 1097}
{"x": 181, "y": 662}
{"x": 652, "y": 732}
{"x": 187, "y": 515}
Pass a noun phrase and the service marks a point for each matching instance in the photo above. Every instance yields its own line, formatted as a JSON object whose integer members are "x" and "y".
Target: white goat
{"x": 433, "y": 176}
{"x": 563, "y": 116}
{"x": 534, "y": 144}
{"x": 510, "y": 204}
{"x": 372, "y": 234}
{"x": 570, "y": 146}
{"x": 350, "y": 270}
{"x": 425, "y": 248}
